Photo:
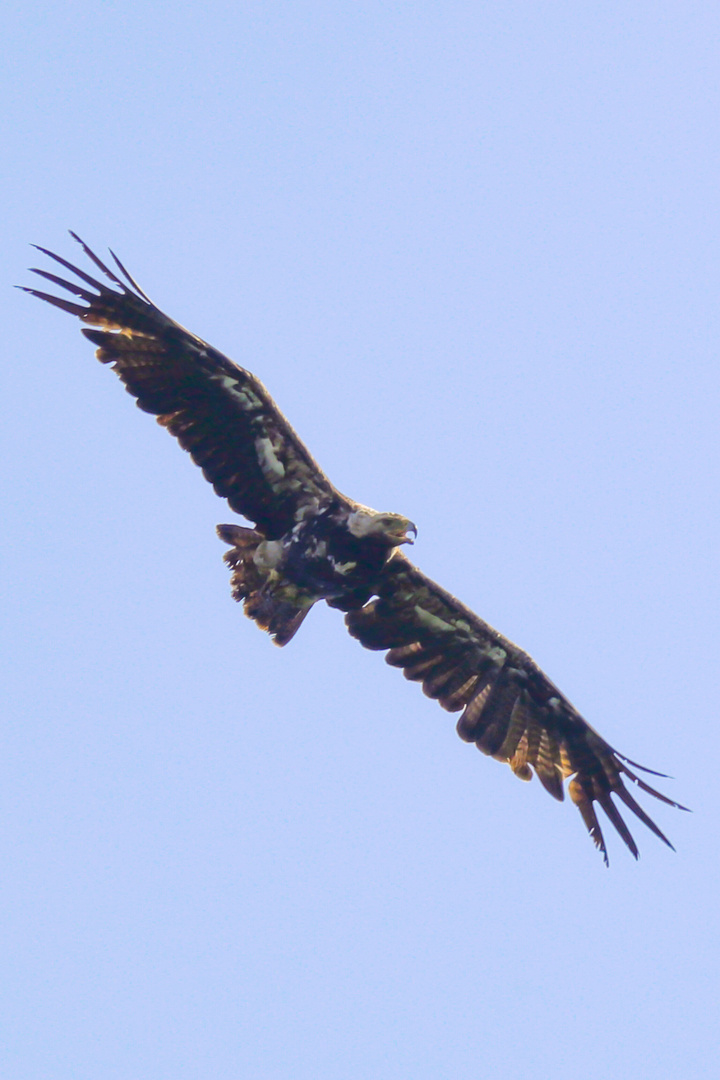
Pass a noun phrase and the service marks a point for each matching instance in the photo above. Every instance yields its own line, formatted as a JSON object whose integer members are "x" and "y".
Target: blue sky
{"x": 472, "y": 250}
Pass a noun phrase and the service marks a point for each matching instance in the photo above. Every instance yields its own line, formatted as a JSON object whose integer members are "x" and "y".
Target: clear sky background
{"x": 472, "y": 250}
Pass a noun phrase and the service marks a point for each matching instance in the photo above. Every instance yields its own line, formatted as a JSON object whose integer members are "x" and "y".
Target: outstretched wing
{"x": 511, "y": 710}
{"x": 219, "y": 412}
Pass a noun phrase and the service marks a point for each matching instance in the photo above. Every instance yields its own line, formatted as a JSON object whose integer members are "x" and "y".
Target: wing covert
{"x": 510, "y": 709}
{"x": 219, "y": 412}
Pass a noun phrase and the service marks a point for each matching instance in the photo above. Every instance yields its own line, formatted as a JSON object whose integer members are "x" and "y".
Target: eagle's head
{"x": 391, "y": 529}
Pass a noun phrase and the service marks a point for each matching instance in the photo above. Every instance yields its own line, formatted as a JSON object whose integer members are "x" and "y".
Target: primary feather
{"x": 312, "y": 543}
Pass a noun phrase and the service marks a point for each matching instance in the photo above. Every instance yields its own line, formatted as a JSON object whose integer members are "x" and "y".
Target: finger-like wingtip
{"x": 98, "y": 262}
{"x": 129, "y": 277}
{"x": 73, "y": 269}
{"x": 644, "y": 768}
{"x": 56, "y": 301}
{"x": 651, "y": 791}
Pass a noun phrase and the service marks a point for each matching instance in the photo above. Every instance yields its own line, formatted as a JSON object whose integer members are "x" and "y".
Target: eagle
{"x": 310, "y": 543}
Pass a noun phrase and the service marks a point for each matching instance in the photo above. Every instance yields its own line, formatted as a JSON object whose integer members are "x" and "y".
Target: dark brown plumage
{"x": 312, "y": 543}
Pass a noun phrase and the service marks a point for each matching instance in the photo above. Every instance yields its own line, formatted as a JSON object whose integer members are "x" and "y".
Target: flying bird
{"x": 309, "y": 543}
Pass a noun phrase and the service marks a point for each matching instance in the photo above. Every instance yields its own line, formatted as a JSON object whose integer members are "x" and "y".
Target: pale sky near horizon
{"x": 472, "y": 251}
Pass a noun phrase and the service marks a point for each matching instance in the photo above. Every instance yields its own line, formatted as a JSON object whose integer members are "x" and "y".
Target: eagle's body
{"x": 311, "y": 543}
{"x": 338, "y": 553}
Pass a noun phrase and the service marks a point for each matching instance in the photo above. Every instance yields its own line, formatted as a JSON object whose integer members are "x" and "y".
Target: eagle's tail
{"x": 280, "y": 618}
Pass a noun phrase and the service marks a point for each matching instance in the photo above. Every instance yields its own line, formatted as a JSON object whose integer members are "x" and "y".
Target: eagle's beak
{"x": 409, "y": 528}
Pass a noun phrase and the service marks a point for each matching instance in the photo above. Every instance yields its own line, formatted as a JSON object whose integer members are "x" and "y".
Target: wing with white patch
{"x": 219, "y": 412}
{"x": 511, "y": 710}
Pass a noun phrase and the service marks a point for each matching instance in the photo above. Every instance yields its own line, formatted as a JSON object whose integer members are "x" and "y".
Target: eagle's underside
{"x": 310, "y": 543}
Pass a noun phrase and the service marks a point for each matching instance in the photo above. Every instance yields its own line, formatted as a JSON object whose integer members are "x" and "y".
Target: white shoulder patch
{"x": 307, "y": 509}
{"x": 245, "y": 395}
{"x": 342, "y": 567}
{"x": 268, "y": 554}
{"x": 432, "y": 622}
{"x": 496, "y": 654}
{"x": 272, "y": 467}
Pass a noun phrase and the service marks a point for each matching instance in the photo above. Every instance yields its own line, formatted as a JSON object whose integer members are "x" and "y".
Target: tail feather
{"x": 246, "y": 578}
{"x": 280, "y": 618}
